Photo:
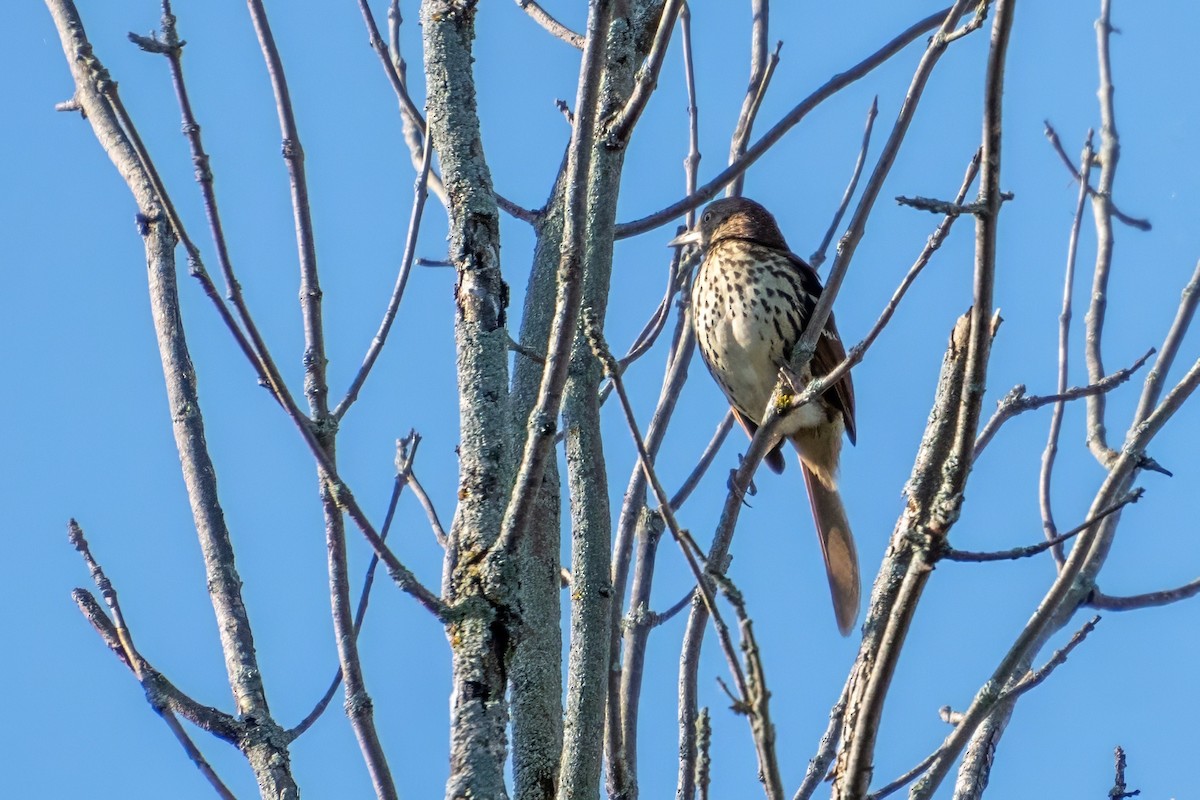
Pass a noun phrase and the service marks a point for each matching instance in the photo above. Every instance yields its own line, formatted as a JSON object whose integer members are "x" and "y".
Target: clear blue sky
{"x": 89, "y": 436}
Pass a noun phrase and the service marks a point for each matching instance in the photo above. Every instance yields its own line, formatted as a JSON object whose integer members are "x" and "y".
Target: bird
{"x": 751, "y": 300}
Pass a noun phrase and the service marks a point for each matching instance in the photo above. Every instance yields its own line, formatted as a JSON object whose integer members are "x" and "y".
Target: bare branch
{"x": 1109, "y": 154}
{"x": 940, "y": 473}
{"x": 554, "y": 375}
{"x": 1119, "y": 790}
{"x": 803, "y": 350}
{"x": 406, "y": 452}
{"x": 771, "y": 137}
{"x": 1017, "y": 402}
{"x": 1064, "y": 336}
{"x": 256, "y": 348}
{"x": 1085, "y": 185}
{"x": 760, "y": 76}
{"x": 420, "y": 192}
{"x": 553, "y": 26}
{"x": 94, "y": 91}
{"x": 1135, "y": 602}
{"x": 163, "y": 697}
{"x": 647, "y": 79}
{"x": 950, "y": 554}
{"x": 818, "y": 256}
{"x": 1157, "y": 376}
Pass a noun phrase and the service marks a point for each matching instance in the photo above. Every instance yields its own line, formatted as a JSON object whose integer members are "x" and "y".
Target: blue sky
{"x": 89, "y": 430}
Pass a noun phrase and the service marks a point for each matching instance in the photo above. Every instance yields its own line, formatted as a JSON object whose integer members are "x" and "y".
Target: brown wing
{"x": 831, "y": 352}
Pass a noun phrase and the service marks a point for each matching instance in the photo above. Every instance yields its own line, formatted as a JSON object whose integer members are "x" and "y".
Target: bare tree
{"x": 523, "y": 394}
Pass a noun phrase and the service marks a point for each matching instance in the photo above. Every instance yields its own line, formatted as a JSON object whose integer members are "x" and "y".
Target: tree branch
{"x": 1064, "y": 336}
{"x": 1017, "y": 402}
{"x": 550, "y": 24}
{"x": 835, "y": 84}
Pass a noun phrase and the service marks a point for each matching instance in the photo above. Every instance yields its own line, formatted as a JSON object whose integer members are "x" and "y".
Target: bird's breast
{"x": 749, "y": 313}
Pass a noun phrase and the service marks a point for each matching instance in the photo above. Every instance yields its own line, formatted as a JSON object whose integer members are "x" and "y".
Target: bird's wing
{"x": 830, "y": 351}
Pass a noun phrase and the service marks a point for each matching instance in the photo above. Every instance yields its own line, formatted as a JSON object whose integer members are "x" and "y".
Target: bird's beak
{"x": 687, "y": 237}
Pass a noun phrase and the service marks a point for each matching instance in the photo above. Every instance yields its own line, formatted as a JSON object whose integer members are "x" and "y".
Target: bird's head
{"x": 733, "y": 218}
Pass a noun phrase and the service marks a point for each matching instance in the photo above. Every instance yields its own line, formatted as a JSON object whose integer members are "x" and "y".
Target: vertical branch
{"x": 760, "y": 23}
{"x": 536, "y": 668}
{"x": 1102, "y": 211}
{"x": 940, "y": 474}
{"x": 480, "y": 634}
{"x": 1064, "y": 335}
{"x": 636, "y": 523}
{"x": 315, "y": 387}
{"x": 1156, "y": 379}
{"x": 359, "y": 707}
{"x": 265, "y": 748}
{"x": 806, "y": 346}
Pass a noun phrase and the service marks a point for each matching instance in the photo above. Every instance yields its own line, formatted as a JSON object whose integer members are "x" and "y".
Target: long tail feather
{"x": 837, "y": 546}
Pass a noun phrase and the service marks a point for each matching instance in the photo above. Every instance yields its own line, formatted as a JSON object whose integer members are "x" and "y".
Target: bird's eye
{"x": 708, "y": 216}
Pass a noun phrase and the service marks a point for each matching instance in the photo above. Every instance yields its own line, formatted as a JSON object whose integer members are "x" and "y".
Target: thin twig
{"x": 1156, "y": 379}
{"x": 1017, "y": 402}
{"x": 1137, "y": 223}
{"x": 818, "y": 256}
{"x": 1109, "y": 154}
{"x": 414, "y": 122}
{"x": 663, "y": 617}
{"x": 1038, "y": 676}
{"x": 553, "y": 26}
{"x": 903, "y": 780}
{"x": 752, "y": 699}
{"x": 756, "y": 87}
{"x": 1134, "y": 602}
{"x": 1009, "y": 695}
{"x": 406, "y": 453}
{"x": 1064, "y": 336}
{"x": 420, "y": 192}
{"x": 395, "y": 70}
{"x": 359, "y": 708}
{"x": 950, "y": 554}
{"x": 818, "y": 765}
{"x": 706, "y": 458}
{"x": 120, "y": 640}
{"x": 646, "y": 80}
{"x": 835, "y": 84}
{"x": 315, "y": 386}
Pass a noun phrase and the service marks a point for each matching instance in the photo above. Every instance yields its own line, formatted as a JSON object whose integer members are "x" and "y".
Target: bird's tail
{"x": 837, "y": 546}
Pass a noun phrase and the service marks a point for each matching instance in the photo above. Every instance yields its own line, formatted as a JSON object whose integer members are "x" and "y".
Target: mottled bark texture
{"x": 264, "y": 743}
{"x": 479, "y": 631}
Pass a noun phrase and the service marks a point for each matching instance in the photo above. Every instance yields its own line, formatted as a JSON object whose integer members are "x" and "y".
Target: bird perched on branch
{"x": 752, "y": 298}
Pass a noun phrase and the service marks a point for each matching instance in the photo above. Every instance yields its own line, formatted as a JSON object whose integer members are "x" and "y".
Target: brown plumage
{"x": 751, "y": 300}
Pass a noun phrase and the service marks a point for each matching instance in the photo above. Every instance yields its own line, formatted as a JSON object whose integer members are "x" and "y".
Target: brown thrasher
{"x": 751, "y": 300}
